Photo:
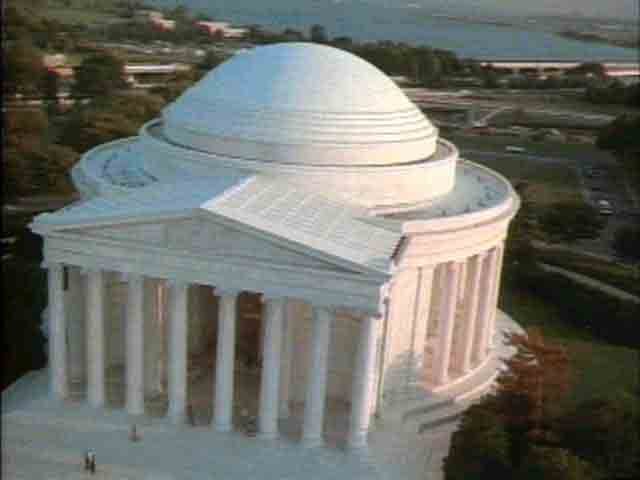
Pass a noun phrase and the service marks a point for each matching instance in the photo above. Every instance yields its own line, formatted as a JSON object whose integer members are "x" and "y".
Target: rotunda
{"x": 291, "y": 229}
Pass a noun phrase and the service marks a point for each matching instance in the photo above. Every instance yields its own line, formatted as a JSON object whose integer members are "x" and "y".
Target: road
{"x": 471, "y": 153}
{"x": 425, "y": 98}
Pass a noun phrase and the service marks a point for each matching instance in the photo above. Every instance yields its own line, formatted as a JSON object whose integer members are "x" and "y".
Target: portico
{"x": 326, "y": 289}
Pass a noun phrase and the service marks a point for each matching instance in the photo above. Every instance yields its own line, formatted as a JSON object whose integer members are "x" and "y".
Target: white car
{"x": 604, "y": 207}
{"x": 514, "y": 149}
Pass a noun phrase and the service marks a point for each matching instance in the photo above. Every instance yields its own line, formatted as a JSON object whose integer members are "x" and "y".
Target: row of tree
{"x": 614, "y": 93}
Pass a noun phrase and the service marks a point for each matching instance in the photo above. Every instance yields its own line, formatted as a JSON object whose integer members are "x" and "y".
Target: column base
{"x": 56, "y": 398}
{"x": 223, "y": 427}
{"x": 97, "y": 404}
{"x": 135, "y": 412}
{"x": 357, "y": 441}
{"x": 284, "y": 412}
{"x": 177, "y": 418}
{"x": 312, "y": 442}
{"x": 267, "y": 435}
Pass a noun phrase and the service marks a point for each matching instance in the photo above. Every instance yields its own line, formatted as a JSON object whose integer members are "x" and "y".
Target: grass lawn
{"x": 597, "y": 366}
{"x": 82, "y": 16}
{"x": 498, "y": 143}
{"x": 548, "y": 183}
{"x": 615, "y": 274}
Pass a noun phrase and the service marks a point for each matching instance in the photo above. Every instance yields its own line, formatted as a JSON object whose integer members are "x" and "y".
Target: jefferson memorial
{"x": 290, "y": 242}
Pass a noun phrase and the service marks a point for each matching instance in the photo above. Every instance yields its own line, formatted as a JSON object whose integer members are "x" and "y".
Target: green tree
{"x": 589, "y": 68}
{"x": 621, "y": 134}
{"x": 31, "y": 163}
{"x": 520, "y": 253}
{"x": 100, "y": 74}
{"x": 606, "y": 432}
{"x": 23, "y": 68}
{"x": 318, "y": 34}
{"x": 622, "y": 139}
{"x": 552, "y": 463}
{"x": 626, "y": 242}
{"x": 210, "y": 60}
{"x": 108, "y": 119}
{"x": 569, "y": 222}
{"x": 50, "y": 89}
{"x": 530, "y": 390}
{"x": 178, "y": 83}
{"x": 430, "y": 69}
{"x": 480, "y": 447}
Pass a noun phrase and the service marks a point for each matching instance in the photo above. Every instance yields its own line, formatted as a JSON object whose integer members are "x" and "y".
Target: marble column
{"x": 177, "y": 365}
{"x": 362, "y": 383}
{"x": 225, "y": 360}
{"x": 152, "y": 343}
{"x": 495, "y": 296}
{"x": 446, "y": 323}
{"x": 316, "y": 393}
{"x": 75, "y": 314}
{"x": 421, "y": 324}
{"x": 484, "y": 307}
{"x": 285, "y": 361}
{"x": 134, "y": 333}
{"x": 470, "y": 315}
{"x": 462, "y": 289}
{"x": 438, "y": 287}
{"x": 270, "y": 380}
{"x": 95, "y": 339}
{"x": 58, "y": 375}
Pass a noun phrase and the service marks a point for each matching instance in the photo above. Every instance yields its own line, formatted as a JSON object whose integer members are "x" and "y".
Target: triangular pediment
{"x": 208, "y": 236}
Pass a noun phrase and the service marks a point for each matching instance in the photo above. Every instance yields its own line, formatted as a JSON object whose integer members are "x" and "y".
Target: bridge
{"x": 612, "y": 68}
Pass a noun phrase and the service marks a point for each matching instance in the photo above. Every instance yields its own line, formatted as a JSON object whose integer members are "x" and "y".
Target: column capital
{"x": 177, "y": 283}
{"x": 49, "y": 265}
{"x": 482, "y": 255}
{"x": 131, "y": 277}
{"x": 266, "y": 297}
{"x": 226, "y": 292}
{"x": 363, "y": 312}
{"x": 89, "y": 270}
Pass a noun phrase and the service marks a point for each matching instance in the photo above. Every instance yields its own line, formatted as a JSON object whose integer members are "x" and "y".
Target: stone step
{"x": 426, "y": 408}
{"x": 431, "y": 425}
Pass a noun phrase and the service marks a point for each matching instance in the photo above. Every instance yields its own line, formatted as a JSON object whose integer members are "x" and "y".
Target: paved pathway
{"x": 591, "y": 282}
{"x": 43, "y": 439}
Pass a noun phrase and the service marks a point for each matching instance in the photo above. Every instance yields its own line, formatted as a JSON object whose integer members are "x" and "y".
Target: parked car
{"x": 514, "y": 149}
{"x": 604, "y": 207}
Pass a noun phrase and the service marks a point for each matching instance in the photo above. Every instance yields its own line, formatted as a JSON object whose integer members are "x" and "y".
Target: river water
{"x": 417, "y": 26}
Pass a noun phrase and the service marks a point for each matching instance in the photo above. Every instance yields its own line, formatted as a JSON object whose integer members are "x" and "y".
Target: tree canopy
{"x": 109, "y": 119}
{"x": 626, "y": 242}
{"x": 23, "y": 68}
{"x": 605, "y": 430}
{"x": 570, "y": 221}
{"x": 100, "y": 74}
{"x": 621, "y": 135}
{"x": 32, "y": 163}
{"x": 318, "y": 34}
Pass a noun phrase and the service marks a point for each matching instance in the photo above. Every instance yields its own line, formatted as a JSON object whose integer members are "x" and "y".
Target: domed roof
{"x": 300, "y": 103}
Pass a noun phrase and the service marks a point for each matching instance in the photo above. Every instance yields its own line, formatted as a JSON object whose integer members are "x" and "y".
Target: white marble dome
{"x": 300, "y": 103}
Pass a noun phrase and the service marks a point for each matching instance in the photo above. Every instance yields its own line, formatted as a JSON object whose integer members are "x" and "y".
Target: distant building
{"x": 223, "y": 29}
{"x": 163, "y": 24}
{"x": 54, "y": 60}
{"x": 145, "y": 15}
